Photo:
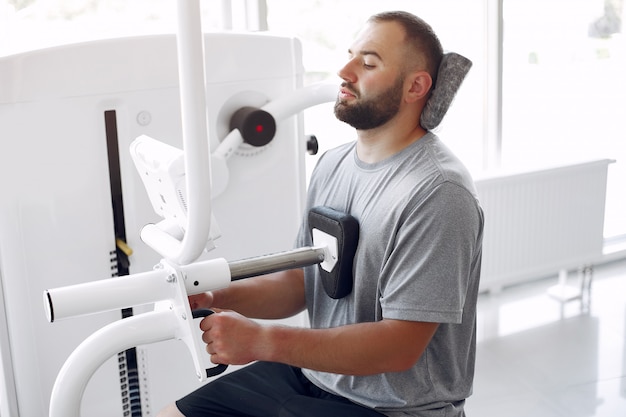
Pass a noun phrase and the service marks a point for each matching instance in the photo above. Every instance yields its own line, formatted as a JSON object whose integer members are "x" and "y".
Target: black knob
{"x": 257, "y": 127}
{"x": 312, "y": 147}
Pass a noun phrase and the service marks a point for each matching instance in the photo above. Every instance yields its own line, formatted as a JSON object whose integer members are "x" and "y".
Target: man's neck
{"x": 375, "y": 145}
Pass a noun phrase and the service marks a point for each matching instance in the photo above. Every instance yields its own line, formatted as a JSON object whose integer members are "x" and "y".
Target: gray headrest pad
{"x": 452, "y": 72}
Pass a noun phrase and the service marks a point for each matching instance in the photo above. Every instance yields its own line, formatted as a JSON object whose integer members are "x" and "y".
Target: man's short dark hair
{"x": 420, "y": 36}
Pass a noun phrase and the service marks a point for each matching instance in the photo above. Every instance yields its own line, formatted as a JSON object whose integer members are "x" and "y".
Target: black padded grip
{"x": 345, "y": 228}
{"x": 217, "y": 369}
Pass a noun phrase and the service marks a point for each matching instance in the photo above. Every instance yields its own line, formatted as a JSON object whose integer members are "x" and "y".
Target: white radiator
{"x": 539, "y": 222}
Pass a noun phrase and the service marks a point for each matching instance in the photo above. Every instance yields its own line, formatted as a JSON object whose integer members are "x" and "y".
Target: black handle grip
{"x": 217, "y": 369}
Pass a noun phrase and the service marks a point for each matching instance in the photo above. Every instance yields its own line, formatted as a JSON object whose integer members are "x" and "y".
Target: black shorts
{"x": 267, "y": 390}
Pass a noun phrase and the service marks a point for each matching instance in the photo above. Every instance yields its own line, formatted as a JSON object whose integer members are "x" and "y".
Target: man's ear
{"x": 421, "y": 82}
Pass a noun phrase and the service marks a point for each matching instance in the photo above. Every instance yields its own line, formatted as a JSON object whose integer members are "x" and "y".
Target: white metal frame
{"x": 177, "y": 276}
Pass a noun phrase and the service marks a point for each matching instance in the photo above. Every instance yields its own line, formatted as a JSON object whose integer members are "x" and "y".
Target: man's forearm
{"x": 273, "y": 296}
{"x": 359, "y": 349}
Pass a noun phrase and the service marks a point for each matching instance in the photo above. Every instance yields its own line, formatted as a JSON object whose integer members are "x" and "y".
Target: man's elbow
{"x": 402, "y": 363}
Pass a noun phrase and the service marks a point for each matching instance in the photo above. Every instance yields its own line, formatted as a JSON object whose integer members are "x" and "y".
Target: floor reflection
{"x": 538, "y": 357}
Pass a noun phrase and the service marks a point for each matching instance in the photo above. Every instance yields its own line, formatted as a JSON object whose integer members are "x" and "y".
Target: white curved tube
{"x": 96, "y": 349}
{"x": 301, "y": 99}
{"x": 195, "y": 142}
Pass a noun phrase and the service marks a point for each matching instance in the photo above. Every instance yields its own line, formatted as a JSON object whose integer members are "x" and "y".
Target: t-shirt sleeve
{"x": 426, "y": 276}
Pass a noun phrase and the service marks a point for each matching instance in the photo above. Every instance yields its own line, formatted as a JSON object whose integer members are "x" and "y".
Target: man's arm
{"x": 273, "y": 296}
{"x": 357, "y": 349}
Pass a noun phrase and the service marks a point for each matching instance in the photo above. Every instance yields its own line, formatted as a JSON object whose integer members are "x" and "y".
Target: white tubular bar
{"x": 195, "y": 143}
{"x": 106, "y": 295}
{"x": 133, "y": 290}
{"x": 206, "y": 276}
{"x": 301, "y": 99}
{"x": 99, "y": 347}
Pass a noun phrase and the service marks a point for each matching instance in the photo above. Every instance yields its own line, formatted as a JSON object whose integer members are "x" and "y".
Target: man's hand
{"x": 233, "y": 339}
{"x": 203, "y": 300}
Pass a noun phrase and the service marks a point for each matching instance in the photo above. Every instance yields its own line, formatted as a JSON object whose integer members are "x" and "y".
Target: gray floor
{"x": 537, "y": 357}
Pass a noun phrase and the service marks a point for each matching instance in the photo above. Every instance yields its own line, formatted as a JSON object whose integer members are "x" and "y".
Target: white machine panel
{"x": 56, "y": 214}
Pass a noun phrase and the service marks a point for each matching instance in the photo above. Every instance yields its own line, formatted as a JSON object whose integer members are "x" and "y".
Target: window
{"x": 564, "y": 89}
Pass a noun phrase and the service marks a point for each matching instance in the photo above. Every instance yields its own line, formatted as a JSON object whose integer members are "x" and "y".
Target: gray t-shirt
{"x": 418, "y": 259}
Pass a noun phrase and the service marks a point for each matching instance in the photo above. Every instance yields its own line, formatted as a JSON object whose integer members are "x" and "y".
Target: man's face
{"x": 373, "y": 83}
{"x": 369, "y": 111}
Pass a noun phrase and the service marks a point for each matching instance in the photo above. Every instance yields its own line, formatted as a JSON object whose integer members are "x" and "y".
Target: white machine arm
{"x": 334, "y": 233}
{"x": 280, "y": 109}
{"x": 195, "y": 141}
{"x": 197, "y": 157}
{"x": 166, "y": 286}
{"x": 136, "y": 289}
{"x": 99, "y": 347}
{"x": 163, "y": 162}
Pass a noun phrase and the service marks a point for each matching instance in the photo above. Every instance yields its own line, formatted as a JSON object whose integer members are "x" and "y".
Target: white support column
{"x": 256, "y": 15}
{"x": 492, "y": 124}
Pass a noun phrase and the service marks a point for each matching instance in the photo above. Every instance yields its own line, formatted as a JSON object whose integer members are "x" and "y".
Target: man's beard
{"x": 372, "y": 112}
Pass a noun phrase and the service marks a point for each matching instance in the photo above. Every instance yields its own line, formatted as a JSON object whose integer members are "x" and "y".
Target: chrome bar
{"x": 281, "y": 261}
